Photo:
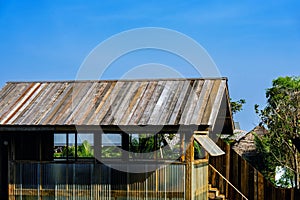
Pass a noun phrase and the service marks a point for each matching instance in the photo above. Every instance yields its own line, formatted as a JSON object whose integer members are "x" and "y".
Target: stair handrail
{"x": 243, "y": 196}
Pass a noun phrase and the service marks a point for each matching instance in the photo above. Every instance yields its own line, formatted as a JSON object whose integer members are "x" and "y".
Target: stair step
{"x": 214, "y": 193}
{"x": 220, "y": 197}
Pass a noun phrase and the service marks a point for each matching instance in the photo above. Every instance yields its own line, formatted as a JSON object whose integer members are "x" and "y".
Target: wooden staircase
{"x": 219, "y": 183}
{"x": 214, "y": 193}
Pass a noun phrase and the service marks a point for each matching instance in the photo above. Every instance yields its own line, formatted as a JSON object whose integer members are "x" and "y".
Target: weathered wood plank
{"x": 62, "y": 94}
{"x": 107, "y": 107}
{"x": 244, "y": 177}
{"x": 80, "y": 100}
{"x": 170, "y": 103}
{"x": 63, "y": 109}
{"x": 187, "y": 104}
{"x": 100, "y": 99}
{"x": 151, "y": 105}
{"x": 37, "y": 107}
{"x": 116, "y": 102}
{"x": 46, "y": 102}
{"x": 30, "y": 108}
{"x": 8, "y": 92}
{"x": 54, "y": 101}
{"x": 124, "y": 105}
{"x": 103, "y": 106}
{"x": 98, "y": 94}
{"x": 15, "y": 92}
{"x": 160, "y": 104}
{"x": 139, "y": 103}
{"x": 260, "y": 188}
{"x": 78, "y": 91}
{"x": 176, "y": 114}
{"x": 17, "y": 106}
{"x": 191, "y": 104}
{"x": 199, "y": 110}
{"x": 217, "y": 104}
{"x": 210, "y": 102}
{"x": 129, "y": 105}
{"x": 85, "y": 101}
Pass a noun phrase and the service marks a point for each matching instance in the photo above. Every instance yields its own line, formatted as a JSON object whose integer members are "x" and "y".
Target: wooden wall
{"x": 4, "y": 149}
{"x": 33, "y": 146}
{"x": 245, "y": 178}
{"x": 99, "y": 181}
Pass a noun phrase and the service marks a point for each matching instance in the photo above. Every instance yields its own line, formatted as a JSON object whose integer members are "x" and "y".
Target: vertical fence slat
{"x": 245, "y": 178}
{"x": 98, "y": 181}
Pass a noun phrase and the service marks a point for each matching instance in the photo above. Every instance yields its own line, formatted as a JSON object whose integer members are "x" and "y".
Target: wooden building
{"x": 126, "y": 139}
{"x": 245, "y": 145}
{"x": 246, "y": 148}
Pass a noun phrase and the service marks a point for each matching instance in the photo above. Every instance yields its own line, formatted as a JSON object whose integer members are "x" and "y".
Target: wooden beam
{"x": 125, "y": 146}
{"x": 189, "y": 158}
{"x": 189, "y": 153}
{"x": 227, "y": 167}
{"x": 104, "y": 128}
{"x": 98, "y": 145}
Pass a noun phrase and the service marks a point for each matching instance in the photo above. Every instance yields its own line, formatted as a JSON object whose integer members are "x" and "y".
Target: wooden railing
{"x": 217, "y": 180}
{"x": 99, "y": 181}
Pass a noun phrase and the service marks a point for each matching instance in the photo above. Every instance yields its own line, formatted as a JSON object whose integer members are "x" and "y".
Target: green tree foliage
{"x": 148, "y": 146}
{"x": 237, "y": 106}
{"x": 111, "y": 152}
{"x": 83, "y": 150}
{"x": 70, "y": 151}
{"x": 282, "y": 118}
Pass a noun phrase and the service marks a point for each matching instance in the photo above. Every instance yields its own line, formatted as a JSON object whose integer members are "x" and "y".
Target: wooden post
{"x": 67, "y": 146}
{"x": 227, "y": 163}
{"x": 189, "y": 158}
{"x": 97, "y": 145}
{"x": 182, "y": 148}
{"x": 125, "y": 146}
{"x": 255, "y": 184}
{"x": 11, "y": 191}
{"x": 260, "y": 188}
{"x": 76, "y": 146}
{"x": 189, "y": 153}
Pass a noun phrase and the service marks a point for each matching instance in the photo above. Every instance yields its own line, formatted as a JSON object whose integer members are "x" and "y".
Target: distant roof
{"x": 237, "y": 135}
{"x": 245, "y": 145}
{"x": 112, "y": 102}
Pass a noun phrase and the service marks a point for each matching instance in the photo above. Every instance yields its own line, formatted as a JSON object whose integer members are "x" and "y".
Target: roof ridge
{"x": 123, "y": 80}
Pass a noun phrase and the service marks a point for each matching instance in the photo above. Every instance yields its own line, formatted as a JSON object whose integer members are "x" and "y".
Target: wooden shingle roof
{"x": 110, "y": 102}
{"x": 245, "y": 146}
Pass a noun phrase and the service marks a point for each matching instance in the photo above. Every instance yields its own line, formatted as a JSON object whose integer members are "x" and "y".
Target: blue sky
{"x": 252, "y": 42}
